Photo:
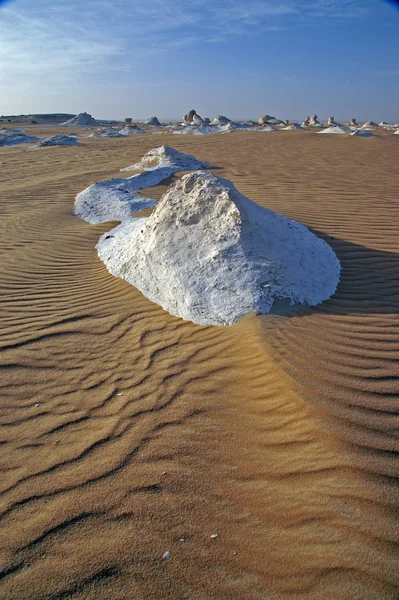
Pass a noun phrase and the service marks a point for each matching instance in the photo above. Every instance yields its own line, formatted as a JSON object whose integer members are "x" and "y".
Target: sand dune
{"x": 126, "y": 430}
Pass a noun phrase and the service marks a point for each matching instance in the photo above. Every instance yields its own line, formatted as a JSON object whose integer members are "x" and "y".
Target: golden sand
{"x": 128, "y": 433}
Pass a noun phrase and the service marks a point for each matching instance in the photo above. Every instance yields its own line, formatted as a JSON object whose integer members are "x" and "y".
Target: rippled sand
{"x": 125, "y": 429}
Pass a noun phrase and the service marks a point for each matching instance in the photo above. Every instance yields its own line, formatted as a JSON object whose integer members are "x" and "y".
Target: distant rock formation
{"x": 81, "y": 119}
{"x": 335, "y": 129}
{"x": 360, "y": 133}
{"x": 331, "y": 122}
{"x": 313, "y": 121}
{"x": 131, "y": 130}
{"x": 220, "y": 120}
{"x": 197, "y": 120}
{"x": 353, "y": 123}
{"x": 269, "y": 120}
{"x": 153, "y": 121}
{"x": 128, "y": 121}
{"x": 58, "y": 140}
{"x": 207, "y": 120}
{"x": 188, "y": 118}
{"x": 306, "y": 122}
{"x": 369, "y": 125}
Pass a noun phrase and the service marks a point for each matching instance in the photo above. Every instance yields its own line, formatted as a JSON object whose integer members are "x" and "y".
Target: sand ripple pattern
{"x": 125, "y": 430}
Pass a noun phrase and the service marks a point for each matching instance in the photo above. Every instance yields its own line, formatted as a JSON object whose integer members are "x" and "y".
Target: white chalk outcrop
{"x": 220, "y": 120}
{"x": 13, "y": 139}
{"x": 369, "y": 125}
{"x": 292, "y": 127}
{"x": 209, "y": 255}
{"x": 107, "y": 132}
{"x": 195, "y": 130}
{"x": 116, "y": 199}
{"x": 396, "y": 132}
{"x": 362, "y": 133}
{"x": 335, "y": 129}
{"x": 165, "y": 157}
{"x": 153, "y": 121}
{"x": 58, "y": 140}
{"x": 80, "y": 119}
{"x": 131, "y": 130}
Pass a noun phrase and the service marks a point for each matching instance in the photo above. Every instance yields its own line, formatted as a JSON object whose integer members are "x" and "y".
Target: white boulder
{"x": 209, "y": 255}
{"x": 335, "y": 129}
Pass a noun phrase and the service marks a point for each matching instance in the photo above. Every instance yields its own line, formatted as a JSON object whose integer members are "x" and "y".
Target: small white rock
{"x": 37, "y": 405}
{"x": 214, "y": 536}
{"x": 119, "y": 394}
{"x": 166, "y": 556}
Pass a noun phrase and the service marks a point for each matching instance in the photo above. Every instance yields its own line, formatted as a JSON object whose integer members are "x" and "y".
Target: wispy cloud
{"x": 70, "y": 36}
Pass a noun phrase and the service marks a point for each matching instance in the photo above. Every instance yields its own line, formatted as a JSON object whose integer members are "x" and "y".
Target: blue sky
{"x": 242, "y": 58}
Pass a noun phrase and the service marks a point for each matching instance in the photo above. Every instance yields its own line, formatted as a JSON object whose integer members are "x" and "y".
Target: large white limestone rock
{"x": 209, "y": 255}
{"x": 116, "y": 199}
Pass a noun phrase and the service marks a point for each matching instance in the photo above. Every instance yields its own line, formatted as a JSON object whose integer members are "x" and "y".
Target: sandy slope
{"x": 278, "y": 433}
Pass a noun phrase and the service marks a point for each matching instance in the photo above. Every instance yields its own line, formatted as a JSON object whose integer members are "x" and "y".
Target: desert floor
{"x": 128, "y": 433}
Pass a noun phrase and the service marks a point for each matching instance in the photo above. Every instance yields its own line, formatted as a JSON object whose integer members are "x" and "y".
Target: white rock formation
{"x": 81, "y": 119}
{"x": 209, "y": 255}
{"x": 188, "y": 118}
{"x": 362, "y": 133}
{"x": 220, "y": 120}
{"x": 58, "y": 140}
{"x": 331, "y": 122}
{"x": 153, "y": 121}
{"x": 116, "y": 199}
{"x": 197, "y": 120}
{"x": 396, "y": 132}
{"x": 131, "y": 130}
{"x": 353, "y": 123}
{"x": 166, "y": 158}
{"x": 306, "y": 122}
{"x": 369, "y": 125}
{"x": 16, "y": 138}
{"x": 335, "y": 129}
{"x": 291, "y": 127}
{"x": 313, "y": 121}
{"x": 107, "y": 132}
{"x": 193, "y": 129}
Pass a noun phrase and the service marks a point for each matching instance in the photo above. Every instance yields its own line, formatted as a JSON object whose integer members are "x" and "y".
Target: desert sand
{"x": 130, "y": 437}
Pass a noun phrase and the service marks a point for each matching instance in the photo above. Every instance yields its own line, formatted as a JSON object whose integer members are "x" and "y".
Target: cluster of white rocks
{"x": 116, "y": 199}
{"x": 207, "y": 253}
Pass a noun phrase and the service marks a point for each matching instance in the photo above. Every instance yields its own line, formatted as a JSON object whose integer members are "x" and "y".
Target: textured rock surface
{"x": 116, "y": 199}
{"x": 188, "y": 118}
{"x": 81, "y": 119}
{"x": 131, "y": 130}
{"x": 210, "y": 255}
{"x": 16, "y": 138}
{"x": 360, "y": 133}
{"x": 59, "y": 140}
{"x": 107, "y": 132}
